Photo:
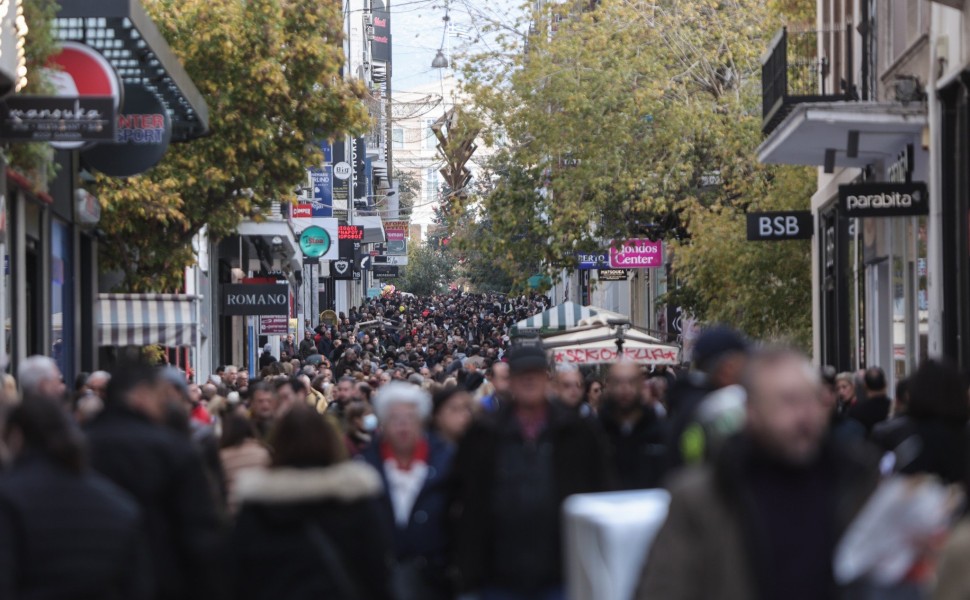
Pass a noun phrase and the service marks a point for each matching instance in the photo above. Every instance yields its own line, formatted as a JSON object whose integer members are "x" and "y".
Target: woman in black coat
{"x": 309, "y": 527}
{"x": 65, "y": 532}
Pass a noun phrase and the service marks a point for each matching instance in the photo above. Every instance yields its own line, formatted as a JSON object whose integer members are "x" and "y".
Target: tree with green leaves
{"x": 270, "y": 73}
{"x": 641, "y": 119}
{"x": 429, "y": 271}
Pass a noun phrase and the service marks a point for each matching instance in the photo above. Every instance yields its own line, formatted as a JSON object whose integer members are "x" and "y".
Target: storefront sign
{"x": 611, "y": 275}
{"x": 397, "y": 248}
{"x": 396, "y": 231}
{"x": 255, "y": 299}
{"x": 386, "y": 271}
{"x": 144, "y": 130}
{"x": 80, "y": 71}
{"x": 884, "y": 199}
{"x": 786, "y": 225}
{"x": 383, "y": 259}
{"x": 591, "y": 356}
{"x": 315, "y": 242}
{"x": 350, "y": 232}
{"x": 341, "y": 177}
{"x": 358, "y": 152}
{"x": 637, "y": 254}
{"x": 321, "y": 184}
{"x": 274, "y": 325}
{"x": 380, "y": 45}
{"x": 593, "y": 260}
{"x": 53, "y": 118}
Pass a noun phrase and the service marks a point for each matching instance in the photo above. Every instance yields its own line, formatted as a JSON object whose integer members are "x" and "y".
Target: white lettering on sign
{"x": 891, "y": 200}
{"x": 778, "y": 226}
{"x": 76, "y": 113}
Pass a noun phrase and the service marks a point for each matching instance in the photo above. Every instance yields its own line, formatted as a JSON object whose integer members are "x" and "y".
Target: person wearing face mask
{"x": 414, "y": 467}
{"x": 361, "y": 425}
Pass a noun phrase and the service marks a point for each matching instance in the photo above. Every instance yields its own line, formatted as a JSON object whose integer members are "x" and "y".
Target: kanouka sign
{"x": 604, "y": 354}
{"x": 884, "y": 199}
{"x": 248, "y": 299}
{"x": 637, "y": 254}
{"x": 79, "y": 71}
{"x": 143, "y": 133}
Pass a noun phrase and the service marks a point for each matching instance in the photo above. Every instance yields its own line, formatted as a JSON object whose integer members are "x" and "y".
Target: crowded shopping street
{"x": 468, "y": 300}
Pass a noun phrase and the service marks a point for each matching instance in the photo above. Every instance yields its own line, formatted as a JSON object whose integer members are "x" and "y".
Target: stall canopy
{"x": 560, "y": 317}
{"x": 595, "y": 344}
{"x": 144, "y": 319}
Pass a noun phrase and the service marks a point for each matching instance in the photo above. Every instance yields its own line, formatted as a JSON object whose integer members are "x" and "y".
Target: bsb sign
{"x": 884, "y": 199}
{"x": 776, "y": 226}
{"x": 248, "y": 299}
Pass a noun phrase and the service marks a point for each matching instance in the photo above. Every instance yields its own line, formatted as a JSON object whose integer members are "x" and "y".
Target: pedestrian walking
{"x": 512, "y": 472}
{"x": 875, "y": 407}
{"x": 309, "y": 527}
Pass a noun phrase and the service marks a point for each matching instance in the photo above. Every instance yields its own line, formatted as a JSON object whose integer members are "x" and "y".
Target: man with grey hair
{"x": 39, "y": 377}
{"x": 763, "y": 520}
{"x": 569, "y": 388}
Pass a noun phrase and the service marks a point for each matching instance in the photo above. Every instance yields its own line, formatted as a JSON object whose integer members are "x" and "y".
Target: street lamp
{"x": 440, "y": 61}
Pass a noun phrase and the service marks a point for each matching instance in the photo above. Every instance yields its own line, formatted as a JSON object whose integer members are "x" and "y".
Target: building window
{"x": 431, "y": 185}
{"x": 430, "y": 141}
{"x": 397, "y": 138}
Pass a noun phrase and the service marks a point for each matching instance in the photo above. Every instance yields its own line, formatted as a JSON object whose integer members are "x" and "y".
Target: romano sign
{"x": 884, "y": 200}
{"x": 247, "y": 299}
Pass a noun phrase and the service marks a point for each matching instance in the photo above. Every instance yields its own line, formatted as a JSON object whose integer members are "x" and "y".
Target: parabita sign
{"x": 255, "y": 299}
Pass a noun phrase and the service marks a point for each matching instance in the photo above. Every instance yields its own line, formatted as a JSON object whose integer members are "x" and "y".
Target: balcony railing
{"x": 793, "y": 72}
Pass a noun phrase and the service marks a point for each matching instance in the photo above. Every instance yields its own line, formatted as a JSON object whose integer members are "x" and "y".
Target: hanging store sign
{"x": 80, "y": 71}
{"x": 242, "y": 299}
{"x": 884, "y": 199}
{"x": 775, "y": 226}
{"x": 315, "y": 242}
{"x": 593, "y": 260}
{"x": 341, "y": 177}
{"x": 57, "y": 119}
{"x": 321, "y": 190}
{"x": 358, "y": 153}
{"x": 637, "y": 254}
{"x": 611, "y": 275}
{"x": 380, "y": 45}
{"x": 144, "y": 130}
{"x": 386, "y": 271}
{"x": 274, "y": 325}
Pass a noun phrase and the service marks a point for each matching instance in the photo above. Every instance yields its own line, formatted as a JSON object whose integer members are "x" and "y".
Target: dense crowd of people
{"x": 410, "y": 450}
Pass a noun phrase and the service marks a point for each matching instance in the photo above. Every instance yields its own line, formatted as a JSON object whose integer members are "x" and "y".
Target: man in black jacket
{"x": 164, "y": 473}
{"x": 875, "y": 408}
{"x": 635, "y": 431}
{"x": 512, "y": 472}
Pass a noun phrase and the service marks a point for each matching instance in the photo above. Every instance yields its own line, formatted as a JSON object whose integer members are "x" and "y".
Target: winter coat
{"x": 250, "y": 454}
{"x": 926, "y": 445}
{"x": 714, "y": 542}
{"x": 424, "y": 542}
{"x": 870, "y": 411}
{"x": 508, "y": 495}
{"x": 288, "y": 521}
{"x": 69, "y": 535}
{"x": 163, "y": 472}
{"x": 640, "y": 454}
{"x": 266, "y": 359}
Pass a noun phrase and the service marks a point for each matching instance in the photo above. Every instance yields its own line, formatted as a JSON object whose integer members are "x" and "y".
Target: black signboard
{"x": 252, "y": 299}
{"x": 380, "y": 46}
{"x": 141, "y": 141}
{"x": 611, "y": 274}
{"x": 884, "y": 199}
{"x": 341, "y": 187}
{"x": 385, "y": 271}
{"x": 781, "y": 225}
{"x": 347, "y": 265}
{"x": 358, "y": 152}
{"x": 57, "y": 119}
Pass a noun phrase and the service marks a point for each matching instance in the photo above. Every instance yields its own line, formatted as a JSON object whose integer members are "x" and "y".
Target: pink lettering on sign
{"x": 396, "y": 235}
{"x": 637, "y": 254}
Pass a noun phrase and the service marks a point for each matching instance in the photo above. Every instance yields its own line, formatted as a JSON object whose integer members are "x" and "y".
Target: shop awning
{"x": 129, "y": 39}
{"x": 842, "y": 134}
{"x": 145, "y": 319}
{"x": 595, "y": 332}
{"x": 560, "y": 317}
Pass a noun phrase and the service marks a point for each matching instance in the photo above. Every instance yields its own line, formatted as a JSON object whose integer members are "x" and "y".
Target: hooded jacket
{"x": 277, "y": 551}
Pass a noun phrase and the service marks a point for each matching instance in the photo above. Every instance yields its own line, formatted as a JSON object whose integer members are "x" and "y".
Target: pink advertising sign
{"x": 637, "y": 254}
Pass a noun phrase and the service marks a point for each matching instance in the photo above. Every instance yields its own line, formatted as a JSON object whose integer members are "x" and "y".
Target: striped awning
{"x": 144, "y": 319}
{"x": 559, "y": 317}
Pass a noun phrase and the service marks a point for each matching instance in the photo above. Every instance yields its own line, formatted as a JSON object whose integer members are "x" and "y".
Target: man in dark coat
{"x": 875, "y": 408}
{"x": 65, "y": 532}
{"x": 635, "y": 432}
{"x": 512, "y": 472}
{"x": 164, "y": 473}
{"x": 763, "y": 520}
{"x": 266, "y": 358}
